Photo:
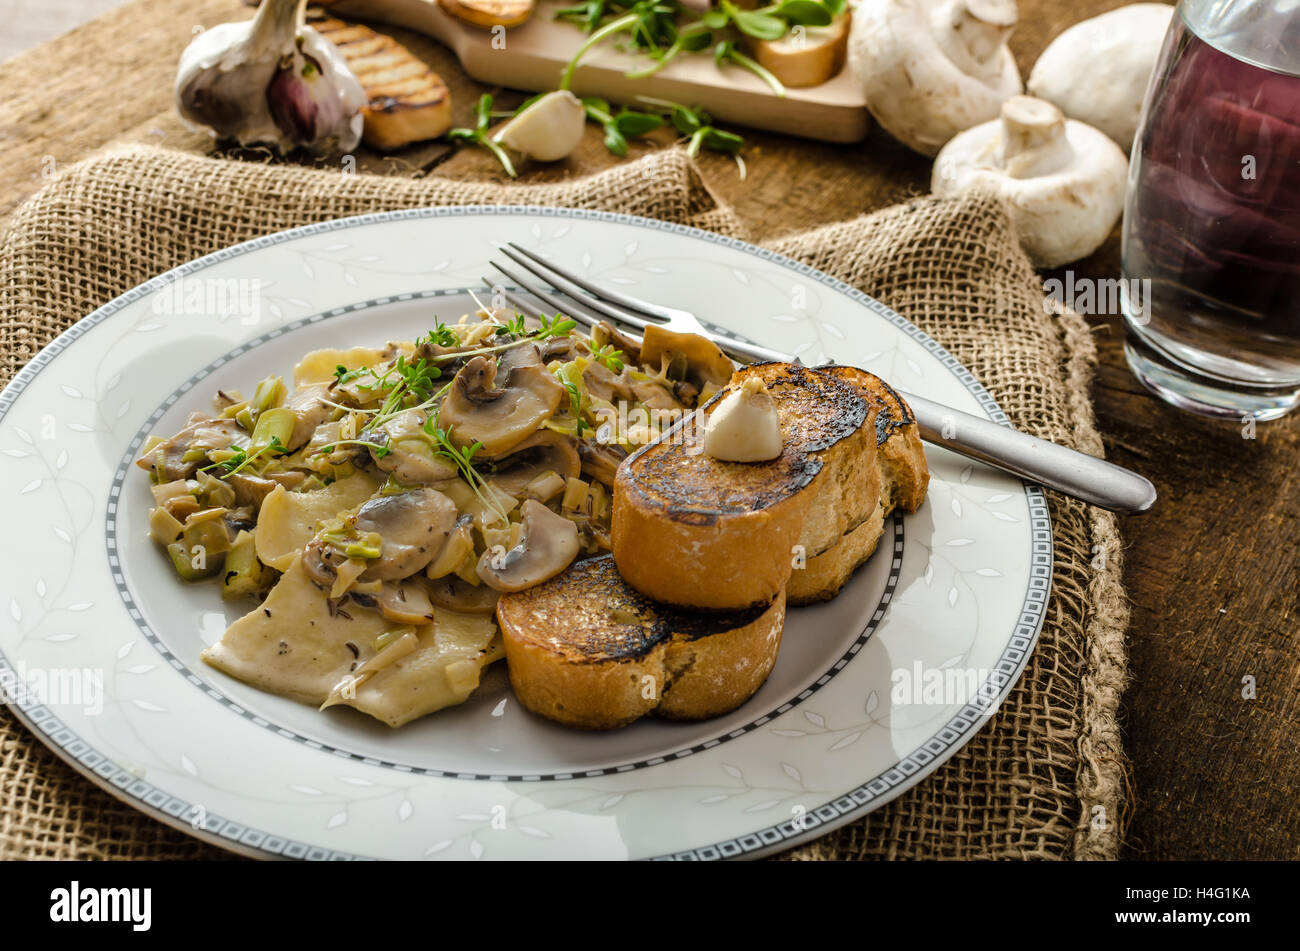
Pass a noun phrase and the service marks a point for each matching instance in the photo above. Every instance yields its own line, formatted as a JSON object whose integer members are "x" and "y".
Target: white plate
{"x": 100, "y": 642}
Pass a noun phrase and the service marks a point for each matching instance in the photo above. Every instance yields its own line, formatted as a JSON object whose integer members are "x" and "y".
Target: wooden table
{"x": 1211, "y": 572}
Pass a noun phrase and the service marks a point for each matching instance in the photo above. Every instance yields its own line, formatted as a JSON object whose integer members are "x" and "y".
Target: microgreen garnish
{"x": 479, "y": 134}
{"x": 556, "y": 326}
{"x": 726, "y": 52}
{"x": 575, "y": 405}
{"x": 698, "y": 126}
{"x": 379, "y": 451}
{"x": 663, "y": 29}
{"x": 441, "y": 335}
{"x": 611, "y": 359}
{"x": 343, "y": 375}
{"x": 462, "y": 457}
{"x": 622, "y": 126}
{"x": 513, "y": 327}
{"x": 243, "y": 458}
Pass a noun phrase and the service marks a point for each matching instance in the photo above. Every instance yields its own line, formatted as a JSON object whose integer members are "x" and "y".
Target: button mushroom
{"x": 456, "y": 594}
{"x": 542, "y": 452}
{"x": 309, "y": 411}
{"x": 1097, "y": 71}
{"x": 548, "y": 545}
{"x": 169, "y": 459}
{"x": 930, "y": 69}
{"x": 410, "y": 458}
{"x": 413, "y": 525}
{"x": 406, "y": 603}
{"x": 687, "y": 358}
{"x": 479, "y": 408}
{"x": 1064, "y": 181}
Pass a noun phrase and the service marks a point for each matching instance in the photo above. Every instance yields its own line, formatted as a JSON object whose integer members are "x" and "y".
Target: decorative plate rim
{"x": 838, "y": 811}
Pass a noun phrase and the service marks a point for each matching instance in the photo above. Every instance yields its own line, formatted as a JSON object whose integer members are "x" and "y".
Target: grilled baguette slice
{"x": 904, "y": 477}
{"x": 698, "y": 532}
{"x": 406, "y": 100}
{"x": 588, "y": 651}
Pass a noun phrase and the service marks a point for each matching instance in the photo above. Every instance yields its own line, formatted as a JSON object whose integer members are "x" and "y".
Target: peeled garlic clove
{"x": 549, "y": 129}
{"x": 745, "y": 427}
{"x": 270, "y": 80}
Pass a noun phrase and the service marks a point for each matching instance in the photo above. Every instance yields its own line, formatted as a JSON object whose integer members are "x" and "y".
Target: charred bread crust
{"x": 905, "y": 474}
{"x": 587, "y": 650}
{"x": 699, "y": 532}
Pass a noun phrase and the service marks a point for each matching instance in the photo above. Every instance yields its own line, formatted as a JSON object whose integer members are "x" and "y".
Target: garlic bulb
{"x": 270, "y": 80}
{"x": 549, "y": 129}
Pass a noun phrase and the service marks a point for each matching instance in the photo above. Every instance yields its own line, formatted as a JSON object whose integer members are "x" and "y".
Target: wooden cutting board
{"x": 531, "y": 57}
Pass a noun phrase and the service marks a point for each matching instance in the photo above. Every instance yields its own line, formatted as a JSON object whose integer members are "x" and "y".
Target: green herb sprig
{"x": 621, "y": 126}
{"x": 479, "y": 134}
{"x": 242, "y": 458}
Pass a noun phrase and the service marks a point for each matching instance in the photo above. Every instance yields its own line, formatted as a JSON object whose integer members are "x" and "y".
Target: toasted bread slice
{"x": 808, "y": 57}
{"x": 487, "y": 14}
{"x": 904, "y": 473}
{"x": 406, "y": 100}
{"x": 904, "y": 477}
{"x": 695, "y": 531}
{"x": 587, "y": 650}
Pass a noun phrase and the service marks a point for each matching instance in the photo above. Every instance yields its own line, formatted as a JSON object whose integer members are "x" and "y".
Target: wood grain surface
{"x": 1212, "y": 571}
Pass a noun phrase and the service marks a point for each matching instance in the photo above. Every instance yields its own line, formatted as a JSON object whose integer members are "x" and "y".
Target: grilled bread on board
{"x": 406, "y": 100}
{"x": 903, "y": 475}
{"x": 587, "y": 650}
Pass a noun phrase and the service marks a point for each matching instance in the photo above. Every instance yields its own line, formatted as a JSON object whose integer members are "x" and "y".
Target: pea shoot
{"x": 479, "y": 134}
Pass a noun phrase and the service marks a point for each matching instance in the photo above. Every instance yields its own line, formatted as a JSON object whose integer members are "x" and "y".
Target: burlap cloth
{"x": 1027, "y": 786}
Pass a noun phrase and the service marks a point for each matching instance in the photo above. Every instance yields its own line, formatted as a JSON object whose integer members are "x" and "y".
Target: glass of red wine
{"x": 1211, "y": 253}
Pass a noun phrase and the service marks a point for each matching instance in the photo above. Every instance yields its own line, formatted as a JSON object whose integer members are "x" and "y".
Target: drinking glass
{"x": 1211, "y": 254}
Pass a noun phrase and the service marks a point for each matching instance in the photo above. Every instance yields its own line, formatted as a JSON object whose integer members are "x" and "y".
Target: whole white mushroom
{"x": 1063, "y": 180}
{"x": 1097, "y": 71}
{"x": 932, "y": 68}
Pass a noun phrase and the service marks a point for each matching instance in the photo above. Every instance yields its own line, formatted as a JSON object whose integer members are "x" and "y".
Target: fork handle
{"x": 1066, "y": 470}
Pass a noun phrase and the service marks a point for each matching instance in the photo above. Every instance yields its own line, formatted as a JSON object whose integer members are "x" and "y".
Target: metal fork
{"x": 1073, "y": 473}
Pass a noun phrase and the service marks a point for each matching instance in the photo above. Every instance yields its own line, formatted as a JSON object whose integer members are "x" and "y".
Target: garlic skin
{"x": 547, "y": 130}
{"x": 270, "y": 81}
{"x": 745, "y": 427}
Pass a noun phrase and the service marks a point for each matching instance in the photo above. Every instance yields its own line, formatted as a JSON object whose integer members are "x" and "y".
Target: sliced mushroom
{"x": 477, "y": 409}
{"x": 321, "y": 561}
{"x": 600, "y": 461}
{"x": 406, "y": 602}
{"x": 250, "y": 489}
{"x": 548, "y": 546}
{"x": 687, "y": 357}
{"x": 413, "y": 525}
{"x": 309, "y": 411}
{"x": 524, "y": 355}
{"x": 605, "y": 333}
{"x": 603, "y": 383}
{"x": 458, "y": 547}
{"x": 411, "y": 458}
{"x": 656, "y": 394}
{"x": 456, "y": 594}
{"x": 200, "y": 432}
{"x": 544, "y": 451}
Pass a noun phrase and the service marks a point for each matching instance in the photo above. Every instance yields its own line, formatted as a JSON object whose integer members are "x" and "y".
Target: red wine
{"x": 1213, "y": 213}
